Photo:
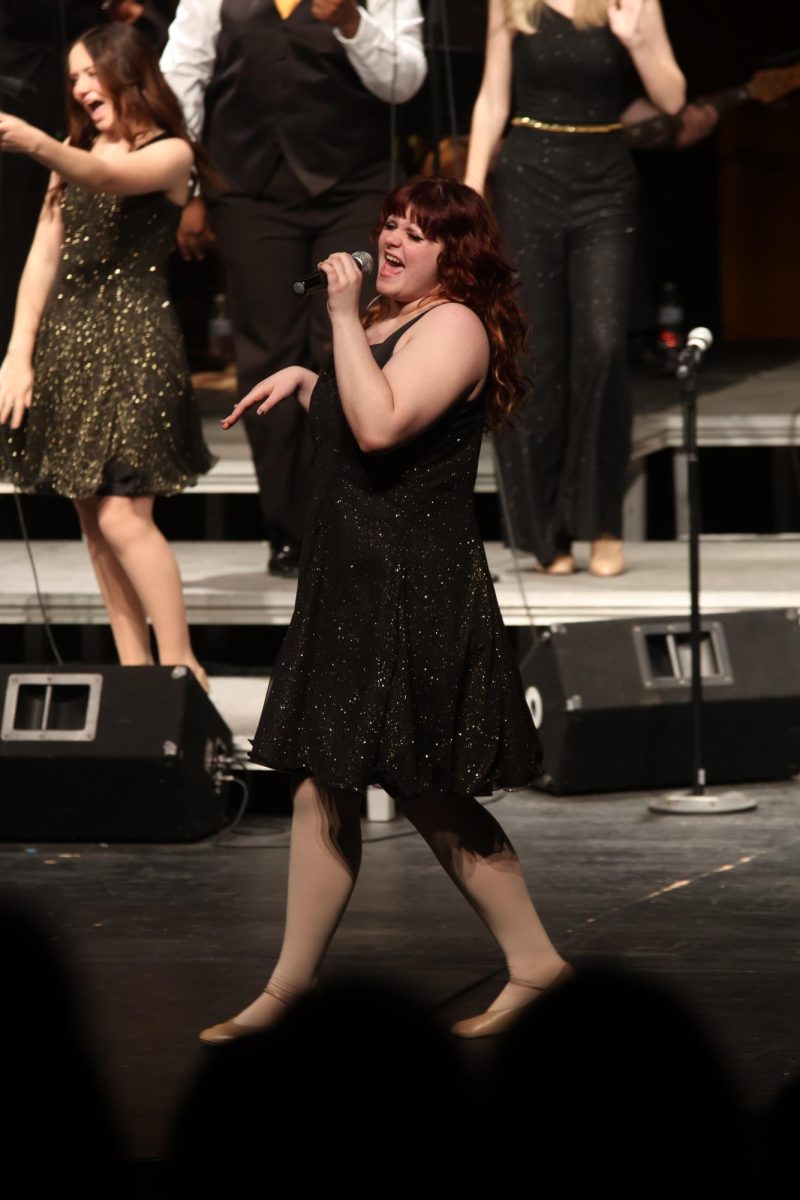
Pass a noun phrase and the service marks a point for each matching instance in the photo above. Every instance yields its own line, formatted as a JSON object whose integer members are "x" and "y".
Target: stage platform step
{"x": 748, "y": 398}
{"x": 226, "y": 583}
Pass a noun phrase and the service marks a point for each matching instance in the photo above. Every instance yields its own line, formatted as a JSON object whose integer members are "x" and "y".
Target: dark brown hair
{"x": 474, "y": 271}
{"x": 128, "y": 70}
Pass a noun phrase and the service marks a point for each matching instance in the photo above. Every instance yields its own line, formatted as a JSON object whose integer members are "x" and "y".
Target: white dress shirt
{"x": 386, "y": 52}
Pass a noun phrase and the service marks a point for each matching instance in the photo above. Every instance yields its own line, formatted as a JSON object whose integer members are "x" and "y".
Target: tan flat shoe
{"x": 562, "y": 564}
{"x": 607, "y": 558}
{"x": 226, "y": 1031}
{"x": 229, "y": 1031}
{"x": 498, "y": 1020}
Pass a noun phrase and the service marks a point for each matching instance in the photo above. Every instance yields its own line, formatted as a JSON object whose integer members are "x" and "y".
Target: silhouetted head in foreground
{"x": 56, "y": 1124}
{"x": 612, "y": 1083}
{"x": 356, "y": 1088}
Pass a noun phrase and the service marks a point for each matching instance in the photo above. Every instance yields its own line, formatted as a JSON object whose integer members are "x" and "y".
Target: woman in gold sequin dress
{"x": 396, "y": 669}
{"x": 95, "y": 386}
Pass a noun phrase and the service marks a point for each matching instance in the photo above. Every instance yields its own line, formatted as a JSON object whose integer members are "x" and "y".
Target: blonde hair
{"x": 525, "y": 15}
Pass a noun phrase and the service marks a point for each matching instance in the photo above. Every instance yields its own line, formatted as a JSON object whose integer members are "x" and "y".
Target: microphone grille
{"x": 365, "y": 261}
{"x": 701, "y": 337}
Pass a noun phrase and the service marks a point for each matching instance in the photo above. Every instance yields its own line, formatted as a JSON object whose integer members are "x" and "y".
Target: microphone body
{"x": 698, "y": 341}
{"x": 319, "y": 280}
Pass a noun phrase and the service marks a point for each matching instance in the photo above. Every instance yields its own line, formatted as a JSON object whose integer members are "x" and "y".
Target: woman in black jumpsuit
{"x": 563, "y": 190}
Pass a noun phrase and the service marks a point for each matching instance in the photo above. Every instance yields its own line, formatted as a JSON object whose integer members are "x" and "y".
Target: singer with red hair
{"x": 396, "y": 669}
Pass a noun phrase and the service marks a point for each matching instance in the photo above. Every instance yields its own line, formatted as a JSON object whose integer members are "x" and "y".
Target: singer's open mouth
{"x": 391, "y": 265}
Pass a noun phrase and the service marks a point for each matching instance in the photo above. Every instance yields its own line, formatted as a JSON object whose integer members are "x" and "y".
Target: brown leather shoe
{"x": 498, "y": 1020}
{"x": 607, "y": 558}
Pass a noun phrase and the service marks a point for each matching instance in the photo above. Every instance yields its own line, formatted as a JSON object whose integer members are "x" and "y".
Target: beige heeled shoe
{"x": 562, "y": 564}
{"x": 606, "y": 558}
{"x": 229, "y": 1031}
{"x": 498, "y": 1020}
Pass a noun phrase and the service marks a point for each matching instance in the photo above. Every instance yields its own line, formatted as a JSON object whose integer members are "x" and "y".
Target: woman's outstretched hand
{"x": 291, "y": 381}
{"x": 16, "y": 390}
{"x": 344, "y": 284}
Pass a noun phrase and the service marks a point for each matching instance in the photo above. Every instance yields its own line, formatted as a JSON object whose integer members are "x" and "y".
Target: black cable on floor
{"x": 24, "y": 528}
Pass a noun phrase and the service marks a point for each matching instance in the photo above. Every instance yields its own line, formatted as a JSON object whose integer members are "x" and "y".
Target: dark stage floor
{"x": 168, "y": 939}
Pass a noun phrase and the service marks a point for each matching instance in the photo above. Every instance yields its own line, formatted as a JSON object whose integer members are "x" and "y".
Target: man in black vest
{"x": 294, "y": 100}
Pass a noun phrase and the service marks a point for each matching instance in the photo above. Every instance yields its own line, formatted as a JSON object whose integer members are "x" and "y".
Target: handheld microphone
{"x": 698, "y": 341}
{"x": 319, "y": 280}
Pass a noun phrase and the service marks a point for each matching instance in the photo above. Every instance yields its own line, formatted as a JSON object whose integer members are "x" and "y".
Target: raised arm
{"x": 162, "y": 167}
{"x": 444, "y": 356}
{"x": 16, "y": 372}
{"x": 639, "y": 25}
{"x": 383, "y": 40}
{"x": 492, "y": 107}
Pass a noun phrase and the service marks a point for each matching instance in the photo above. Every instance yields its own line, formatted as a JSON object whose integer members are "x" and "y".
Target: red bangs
{"x": 443, "y": 210}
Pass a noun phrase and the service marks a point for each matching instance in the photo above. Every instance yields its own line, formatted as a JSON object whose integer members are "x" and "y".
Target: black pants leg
{"x": 599, "y": 272}
{"x": 262, "y": 253}
{"x": 265, "y": 244}
{"x": 563, "y": 467}
{"x": 530, "y": 454}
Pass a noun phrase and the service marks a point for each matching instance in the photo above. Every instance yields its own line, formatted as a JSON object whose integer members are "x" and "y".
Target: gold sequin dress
{"x": 396, "y": 669}
{"x": 112, "y": 410}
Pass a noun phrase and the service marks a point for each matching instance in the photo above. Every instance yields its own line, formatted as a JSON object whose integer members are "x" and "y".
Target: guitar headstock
{"x": 773, "y": 83}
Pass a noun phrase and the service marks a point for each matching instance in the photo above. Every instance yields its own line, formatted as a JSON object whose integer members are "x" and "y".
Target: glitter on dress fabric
{"x": 112, "y": 409}
{"x": 396, "y": 669}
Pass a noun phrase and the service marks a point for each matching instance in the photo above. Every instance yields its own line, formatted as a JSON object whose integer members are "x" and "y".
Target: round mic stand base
{"x": 685, "y": 804}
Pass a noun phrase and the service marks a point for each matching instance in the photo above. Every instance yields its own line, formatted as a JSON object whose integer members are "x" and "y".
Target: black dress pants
{"x": 563, "y": 466}
{"x": 265, "y": 243}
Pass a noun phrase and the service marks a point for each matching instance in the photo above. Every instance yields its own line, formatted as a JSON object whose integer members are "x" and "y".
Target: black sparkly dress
{"x": 396, "y": 669}
{"x": 566, "y": 205}
{"x": 112, "y": 410}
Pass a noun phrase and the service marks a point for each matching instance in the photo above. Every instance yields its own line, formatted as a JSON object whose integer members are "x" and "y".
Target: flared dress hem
{"x": 304, "y": 771}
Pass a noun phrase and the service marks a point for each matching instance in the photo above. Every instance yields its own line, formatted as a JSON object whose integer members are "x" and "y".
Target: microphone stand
{"x": 697, "y": 799}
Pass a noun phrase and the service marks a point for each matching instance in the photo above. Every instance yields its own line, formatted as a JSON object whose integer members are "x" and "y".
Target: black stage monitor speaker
{"x": 109, "y": 754}
{"x": 611, "y": 701}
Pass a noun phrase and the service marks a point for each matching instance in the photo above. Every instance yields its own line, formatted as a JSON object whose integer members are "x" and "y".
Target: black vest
{"x": 286, "y": 89}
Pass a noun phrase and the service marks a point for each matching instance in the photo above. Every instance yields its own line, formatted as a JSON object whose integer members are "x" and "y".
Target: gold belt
{"x": 547, "y": 127}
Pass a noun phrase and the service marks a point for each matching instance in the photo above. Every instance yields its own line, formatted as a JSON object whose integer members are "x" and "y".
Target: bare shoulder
{"x": 164, "y": 148}
{"x": 447, "y": 323}
{"x": 173, "y": 148}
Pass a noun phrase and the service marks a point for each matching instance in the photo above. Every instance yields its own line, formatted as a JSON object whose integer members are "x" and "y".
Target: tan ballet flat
{"x": 226, "y": 1031}
{"x": 607, "y": 558}
{"x": 562, "y": 564}
{"x": 229, "y": 1031}
{"x": 498, "y": 1020}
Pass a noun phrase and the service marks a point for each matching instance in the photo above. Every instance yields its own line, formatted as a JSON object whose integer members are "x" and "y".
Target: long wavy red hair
{"x": 473, "y": 270}
{"x": 127, "y": 67}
